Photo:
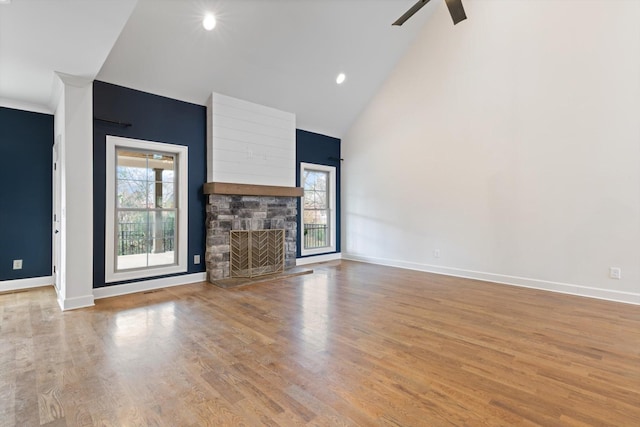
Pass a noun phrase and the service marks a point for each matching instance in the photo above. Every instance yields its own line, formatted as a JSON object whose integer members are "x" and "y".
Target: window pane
{"x": 133, "y": 165}
{"x": 168, "y": 195}
{"x": 145, "y": 239}
{"x": 315, "y": 217}
{"x": 316, "y": 231}
{"x": 162, "y": 238}
{"x": 132, "y": 194}
{"x": 315, "y": 180}
{"x": 161, "y": 195}
{"x": 315, "y": 199}
{"x": 168, "y": 175}
{"x": 151, "y": 195}
{"x": 321, "y": 181}
{"x": 141, "y": 179}
{"x": 132, "y": 239}
{"x": 315, "y": 189}
{"x": 163, "y": 166}
{"x": 127, "y": 172}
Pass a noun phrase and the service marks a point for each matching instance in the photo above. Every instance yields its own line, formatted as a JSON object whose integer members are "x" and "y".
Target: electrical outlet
{"x": 436, "y": 253}
{"x": 17, "y": 264}
{"x": 196, "y": 259}
{"x": 615, "y": 272}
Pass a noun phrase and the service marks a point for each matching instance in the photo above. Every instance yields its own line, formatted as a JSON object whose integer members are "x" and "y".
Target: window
{"x": 146, "y": 205}
{"x": 318, "y": 209}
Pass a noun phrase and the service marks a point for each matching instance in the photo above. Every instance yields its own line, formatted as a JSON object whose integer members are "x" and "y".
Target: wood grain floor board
{"x": 352, "y": 344}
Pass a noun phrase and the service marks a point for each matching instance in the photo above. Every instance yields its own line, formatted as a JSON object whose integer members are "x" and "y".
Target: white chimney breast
{"x": 249, "y": 143}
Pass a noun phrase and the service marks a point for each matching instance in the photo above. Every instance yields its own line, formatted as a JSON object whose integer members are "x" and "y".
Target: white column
{"x": 74, "y": 126}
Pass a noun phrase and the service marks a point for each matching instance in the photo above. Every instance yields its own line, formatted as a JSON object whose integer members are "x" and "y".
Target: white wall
{"x": 249, "y": 143}
{"x": 511, "y": 143}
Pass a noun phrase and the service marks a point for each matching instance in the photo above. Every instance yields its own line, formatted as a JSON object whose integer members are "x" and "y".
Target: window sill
{"x": 318, "y": 251}
{"x": 145, "y": 273}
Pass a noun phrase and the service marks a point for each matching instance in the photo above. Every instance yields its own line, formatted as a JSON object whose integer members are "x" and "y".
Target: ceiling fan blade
{"x": 456, "y": 10}
{"x": 409, "y": 13}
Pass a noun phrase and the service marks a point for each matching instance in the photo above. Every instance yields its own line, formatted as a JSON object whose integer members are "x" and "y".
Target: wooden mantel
{"x": 228, "y": 188}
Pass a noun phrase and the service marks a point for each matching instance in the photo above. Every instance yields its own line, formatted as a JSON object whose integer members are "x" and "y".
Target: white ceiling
{"x": 284, "y": 54}
{"x": 39, "y": 37}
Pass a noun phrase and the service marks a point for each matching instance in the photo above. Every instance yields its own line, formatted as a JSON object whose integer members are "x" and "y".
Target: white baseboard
{"x": 318, "y": 258}
{"x": 564, "y": 288}
{"x": 147, "y": 285}
{"x": 18, "y": 284}
{"x": 75, "y": 303}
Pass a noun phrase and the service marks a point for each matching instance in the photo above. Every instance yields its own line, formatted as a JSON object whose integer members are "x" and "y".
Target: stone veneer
{"x": 226, "y": 213}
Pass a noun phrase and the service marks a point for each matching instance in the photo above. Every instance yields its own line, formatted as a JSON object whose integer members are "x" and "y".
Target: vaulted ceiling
{"x": 284, "y": 54}
{"x": 40, "y": 37}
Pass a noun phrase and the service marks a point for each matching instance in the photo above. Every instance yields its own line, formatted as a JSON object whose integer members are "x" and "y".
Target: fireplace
{"x": 249, "y": 144}
{"x": 240, "y": 207}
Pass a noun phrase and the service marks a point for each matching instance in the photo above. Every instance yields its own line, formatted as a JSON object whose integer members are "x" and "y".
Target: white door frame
{"x": 57, "y": 212}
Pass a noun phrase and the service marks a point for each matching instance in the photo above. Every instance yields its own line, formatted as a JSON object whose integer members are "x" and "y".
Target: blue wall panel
{"x": 26, "y": 141}
{"x": 152, "y": 118}
{"x": 321, "y": 150}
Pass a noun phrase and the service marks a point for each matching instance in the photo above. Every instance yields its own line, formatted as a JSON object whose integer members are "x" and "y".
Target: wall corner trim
{"x": 563, "y": 288}
{"x": 76, "y": 81}
{"x": 147, "y": 285}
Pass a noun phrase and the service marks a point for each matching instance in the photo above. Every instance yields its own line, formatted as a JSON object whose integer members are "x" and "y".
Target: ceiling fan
{"x": 455, "y": 9}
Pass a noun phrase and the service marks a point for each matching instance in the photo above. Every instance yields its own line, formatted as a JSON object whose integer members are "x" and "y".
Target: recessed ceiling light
{"x": 209, "y": 22}
{"x": 341, "y": 78}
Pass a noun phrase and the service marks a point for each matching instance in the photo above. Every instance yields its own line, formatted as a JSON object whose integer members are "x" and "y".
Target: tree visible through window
{"x": 145, "y": 209}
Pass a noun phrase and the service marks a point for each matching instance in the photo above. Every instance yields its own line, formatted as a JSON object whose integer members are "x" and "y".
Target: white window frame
{"x": 332, "y": 209}
{"x": 181, "y": 153}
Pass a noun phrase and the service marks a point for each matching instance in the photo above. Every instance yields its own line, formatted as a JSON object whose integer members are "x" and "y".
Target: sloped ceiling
{"x": 284, "y": 54}
{"x": 40, "y": 37}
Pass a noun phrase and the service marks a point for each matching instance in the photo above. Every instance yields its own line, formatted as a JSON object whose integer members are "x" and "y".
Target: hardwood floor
{"x": 352, "y": 344}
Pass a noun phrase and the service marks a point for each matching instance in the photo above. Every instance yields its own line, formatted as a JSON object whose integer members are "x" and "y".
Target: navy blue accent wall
{"x": 26, "y": 141}
{"x": 152, "y": 118}
{"x": 321, "y": 150}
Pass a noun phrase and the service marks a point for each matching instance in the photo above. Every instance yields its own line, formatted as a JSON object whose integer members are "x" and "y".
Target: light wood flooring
{"x": 351, "y": 344}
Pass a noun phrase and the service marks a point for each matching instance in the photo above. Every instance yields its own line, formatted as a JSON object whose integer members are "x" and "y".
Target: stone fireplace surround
{"x": 247, "y": 207}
